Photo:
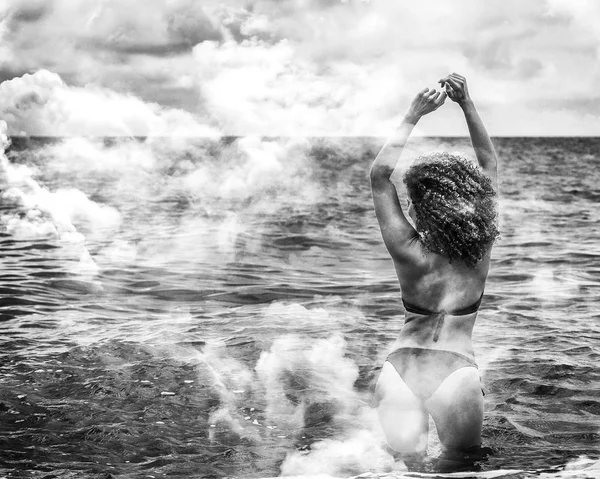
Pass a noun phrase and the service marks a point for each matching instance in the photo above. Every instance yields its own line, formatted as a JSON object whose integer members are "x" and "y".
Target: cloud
{"x": 42, "y": 104}
{"x": 583, "y": 13}
{"x": 318, "y": 67}
{"x": 203, "y": 192}
{"x": 31, "y": 211}
{"x": 109, "y": 24}
{"x": 257, "y": 88}
{"x": 114, "y": 44}
{"x": 329, "y": 68}
{"x": 29, "y": 11}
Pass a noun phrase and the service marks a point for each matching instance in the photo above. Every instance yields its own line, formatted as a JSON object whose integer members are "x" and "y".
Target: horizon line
{"x": 216, "y": 137}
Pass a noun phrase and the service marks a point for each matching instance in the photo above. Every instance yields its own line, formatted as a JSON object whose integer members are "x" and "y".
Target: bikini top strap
{"x": 411, "y": 308}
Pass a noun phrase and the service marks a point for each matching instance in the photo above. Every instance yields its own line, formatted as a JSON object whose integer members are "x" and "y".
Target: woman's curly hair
{"x": 454, "y": 205}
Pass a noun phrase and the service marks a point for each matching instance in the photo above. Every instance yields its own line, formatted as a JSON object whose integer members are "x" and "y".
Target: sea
{"x": 222, "y": 307}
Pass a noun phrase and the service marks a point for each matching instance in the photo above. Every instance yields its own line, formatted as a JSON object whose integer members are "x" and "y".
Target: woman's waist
{"x": 441, "y": 325}
{"x": 424, "y": 339}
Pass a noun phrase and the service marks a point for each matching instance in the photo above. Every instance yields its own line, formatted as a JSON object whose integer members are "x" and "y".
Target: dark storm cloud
{"x": 7, "y": 73}
{"x": 29, "y": 12}
{"x": 182, "y": 30}
{"x": 123, "y": 49}
{"x": 191, "y": 29}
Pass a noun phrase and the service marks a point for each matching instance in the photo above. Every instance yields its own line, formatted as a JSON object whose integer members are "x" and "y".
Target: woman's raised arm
{"x": 456, "y": 88}
{"x": 396, "y": 230}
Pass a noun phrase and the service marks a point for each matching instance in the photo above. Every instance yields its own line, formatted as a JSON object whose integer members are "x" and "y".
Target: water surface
{"x": 201, "y": 308}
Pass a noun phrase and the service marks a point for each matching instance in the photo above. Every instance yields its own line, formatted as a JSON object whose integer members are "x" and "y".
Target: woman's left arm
{"x": 397, "y": 232}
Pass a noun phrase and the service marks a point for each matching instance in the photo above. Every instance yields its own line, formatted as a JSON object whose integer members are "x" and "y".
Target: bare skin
{"x": 432, "y": 281}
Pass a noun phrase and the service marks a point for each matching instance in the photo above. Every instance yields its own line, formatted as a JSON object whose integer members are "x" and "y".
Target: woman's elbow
{"x": 488, "y": 161}
{"x": 379, "y": 173}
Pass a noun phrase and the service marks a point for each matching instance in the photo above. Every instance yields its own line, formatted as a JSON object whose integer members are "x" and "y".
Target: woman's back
{"x": 434, "y": 283}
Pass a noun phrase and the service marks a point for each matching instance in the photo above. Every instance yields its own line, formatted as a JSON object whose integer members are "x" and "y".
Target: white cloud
{"x": 316, "y": 67}
{"x": 42, "y": 104}
{"x": 254, "y": 87}
{"x": 32, "y": 211}
{"x": 585, "y": 13}
{"x": 328, "y": 68}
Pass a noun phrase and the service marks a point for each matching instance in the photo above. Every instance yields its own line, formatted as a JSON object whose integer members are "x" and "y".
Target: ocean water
{"x": 222, "y": 308}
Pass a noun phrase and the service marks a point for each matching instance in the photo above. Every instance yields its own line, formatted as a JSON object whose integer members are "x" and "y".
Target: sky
{"x": 295, "y": 67}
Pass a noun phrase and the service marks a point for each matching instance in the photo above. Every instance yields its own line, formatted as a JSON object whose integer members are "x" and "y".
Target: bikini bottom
{"x": 423, "y": 370}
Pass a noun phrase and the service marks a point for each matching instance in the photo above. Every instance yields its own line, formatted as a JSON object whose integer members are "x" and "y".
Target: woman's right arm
{"x": 397, "y": 232}
{"x": 456, "y": 88}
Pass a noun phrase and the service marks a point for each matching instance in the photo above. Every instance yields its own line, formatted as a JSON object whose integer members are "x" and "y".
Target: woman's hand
{"x": 425, "y": 102}
{"x": 456, "y": 88}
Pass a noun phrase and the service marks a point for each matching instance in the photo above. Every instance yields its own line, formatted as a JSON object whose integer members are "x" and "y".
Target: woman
{"x": 442, "y": 263}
